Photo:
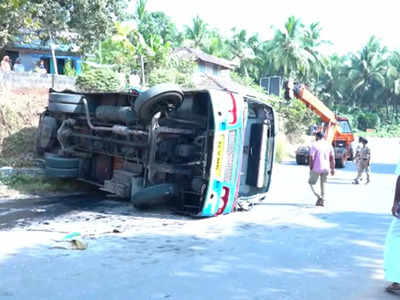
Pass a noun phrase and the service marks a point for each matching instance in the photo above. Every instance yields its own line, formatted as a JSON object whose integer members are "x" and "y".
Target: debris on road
{"x": 71, "y": 242}
{"x": 70, "y": 236}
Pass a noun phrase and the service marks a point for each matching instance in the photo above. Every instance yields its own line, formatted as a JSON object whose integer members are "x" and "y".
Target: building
{"x": 214, "y": 72}
{"x": 30, "y": 54}
{"x": 206, "y": 63}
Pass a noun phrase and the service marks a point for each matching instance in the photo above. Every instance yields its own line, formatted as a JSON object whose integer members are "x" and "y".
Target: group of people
{"x": 322, "y": 162}
{"x": 6, "y": 65}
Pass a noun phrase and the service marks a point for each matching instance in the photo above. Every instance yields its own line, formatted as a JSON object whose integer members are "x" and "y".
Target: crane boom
{"x": 317, "y": 106}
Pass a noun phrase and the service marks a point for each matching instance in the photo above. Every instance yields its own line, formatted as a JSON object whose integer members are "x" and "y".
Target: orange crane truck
{"x": 337, "y": 130}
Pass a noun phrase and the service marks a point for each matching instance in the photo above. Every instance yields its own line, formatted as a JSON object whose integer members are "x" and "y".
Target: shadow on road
{"x": 288, "y": 163}
{"x": 302, "y": 205}
{"x": 336, "y": 257}
{"x": 378, "y": 168}
{"x": 23, "y": 212}
{"x": 338, "y": 180}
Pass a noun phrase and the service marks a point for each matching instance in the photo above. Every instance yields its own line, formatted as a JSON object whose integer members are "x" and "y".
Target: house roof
{"x": 37, "y": 45}
{"x": 197, "y": 54}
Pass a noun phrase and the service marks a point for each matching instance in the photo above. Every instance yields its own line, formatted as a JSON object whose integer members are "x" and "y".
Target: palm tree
{"x": 312, "y": 42}
{"x": 216, "y": 45}
{"x": 367, "y": 72}
{"x": 240, "y": 48}
{"x": 332, "y": 83}
{"x": 198, "y": 32}
{"x": 140, "y": 12}
{"x": 392, "y": 84}
{"x": 286, "y": 51}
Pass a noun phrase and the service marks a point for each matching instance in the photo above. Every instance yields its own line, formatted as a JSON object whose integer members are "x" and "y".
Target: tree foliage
{"x": 197, "y": 33}
{"x": 296, "y": 115}
{"x": 364, "y": 85}
{"x": 176, "y": 70}
{"x": 119, "y": 50}
{"x": 77, "y": 23}
{"x": 97, "y": 80}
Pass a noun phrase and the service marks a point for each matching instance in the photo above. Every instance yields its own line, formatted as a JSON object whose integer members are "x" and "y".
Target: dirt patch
{"x": 19, "y": 117}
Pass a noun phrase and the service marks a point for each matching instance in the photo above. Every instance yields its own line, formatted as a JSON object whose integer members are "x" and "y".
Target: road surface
{"x": 285, "y": 248}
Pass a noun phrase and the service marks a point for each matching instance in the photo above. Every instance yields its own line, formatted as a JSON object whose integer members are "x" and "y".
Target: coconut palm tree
{"x": 215, "y": 44}
{"x": 367, "y": 72}
{"x": 286, "y": 51}
{"x": 240, "y": 47}
{"x": 198, "y": 32}
{"x": 332, "y": 83}
{"x": 392, "y": 88}
{"x": 312, "y": 43}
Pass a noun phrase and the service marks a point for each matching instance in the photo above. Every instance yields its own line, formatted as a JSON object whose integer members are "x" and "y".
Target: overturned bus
{"x": 202, "y": 151}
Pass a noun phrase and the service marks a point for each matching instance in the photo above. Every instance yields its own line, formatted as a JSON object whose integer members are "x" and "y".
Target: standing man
{"x": 357, "y": 154}
{"x": 364, "y": 157}
{"x": 322, "y": 159}
{"x": 18, "y": 67}
{"x": 5, "y": 64}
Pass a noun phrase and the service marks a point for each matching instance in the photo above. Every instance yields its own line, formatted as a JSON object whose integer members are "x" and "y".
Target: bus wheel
{"x": 65, "y": 98}
{"x": 340, "y": 163}
{"x": 60, "y": 162}
{"x": 160, "y": 98}
{"x": 154, "y": 195}
{"x": 66, "y": 108}
{"x": 46, "y": 134}
{"x": 61, "y": 173}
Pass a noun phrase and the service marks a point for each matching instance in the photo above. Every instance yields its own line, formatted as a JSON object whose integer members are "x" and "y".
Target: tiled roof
{"x": 38, "y": 45}
{"x": 200, "y": 55}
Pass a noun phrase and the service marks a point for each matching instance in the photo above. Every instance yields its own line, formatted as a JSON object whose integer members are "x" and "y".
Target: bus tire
{"x": 65, "y": 108}
{"x": 340, "y": 163}
{"x": 160, "y": 98}
{"x": 45, "y": 134}
{"x": 59, "y": 162}
{"x": 65, "y": 98}
{"x": 61, "y": 173}
{"x": 154, "y": 195}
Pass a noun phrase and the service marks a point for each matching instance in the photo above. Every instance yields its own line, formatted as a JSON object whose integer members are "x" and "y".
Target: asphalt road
{"x": 285, "y": 248}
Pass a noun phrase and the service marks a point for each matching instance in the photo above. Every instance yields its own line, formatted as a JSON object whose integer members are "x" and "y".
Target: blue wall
{"x": 29, "y": 60}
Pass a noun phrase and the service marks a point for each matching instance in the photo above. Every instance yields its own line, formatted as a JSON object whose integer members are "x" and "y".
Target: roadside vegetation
{"x": 363, "y": 86}
{"x": 19, "y": 117}
{"x": 25, "y": 184}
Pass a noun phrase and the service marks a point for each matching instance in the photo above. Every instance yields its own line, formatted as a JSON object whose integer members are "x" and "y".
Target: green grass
{"x": 382, "y": 131}
{"x": 18, "y": 148}
{"x": 39, "y": 184}
{"x": 281, "y": 148}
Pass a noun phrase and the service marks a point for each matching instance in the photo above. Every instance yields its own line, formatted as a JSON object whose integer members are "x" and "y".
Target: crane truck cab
{"x": 342, "y": 142}
{"x": 202, "y": 151}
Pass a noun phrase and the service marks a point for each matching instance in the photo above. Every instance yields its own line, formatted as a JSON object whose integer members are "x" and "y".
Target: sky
{"x": 348, "y": 24}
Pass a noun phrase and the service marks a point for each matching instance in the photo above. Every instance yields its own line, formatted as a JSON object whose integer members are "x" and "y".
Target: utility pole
{"x": 142, "y": 67}
{"x": 53, "y": 55}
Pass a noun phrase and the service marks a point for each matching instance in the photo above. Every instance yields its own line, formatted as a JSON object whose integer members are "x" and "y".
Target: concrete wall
{"x": 13, "y": 80}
